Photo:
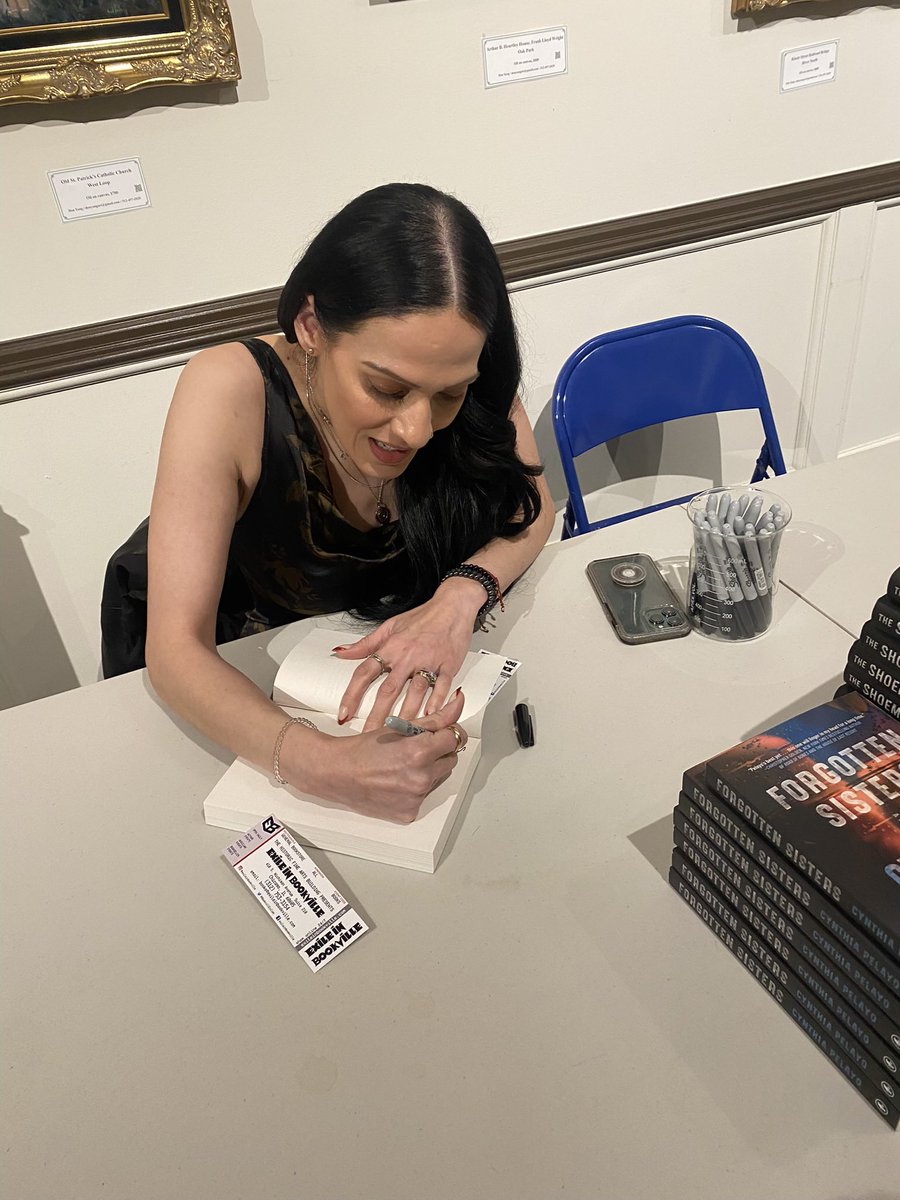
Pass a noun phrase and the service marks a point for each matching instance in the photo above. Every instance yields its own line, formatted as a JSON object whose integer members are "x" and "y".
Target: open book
{"x": 310, "y": 682}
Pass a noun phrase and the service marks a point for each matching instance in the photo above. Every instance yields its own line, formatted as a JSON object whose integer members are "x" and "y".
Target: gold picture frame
{"x": 183, "y": 42}
{"x": 757, "y": 6}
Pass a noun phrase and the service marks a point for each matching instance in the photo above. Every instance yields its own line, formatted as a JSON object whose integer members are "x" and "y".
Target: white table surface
{"x": 844, "y": 539}
{"x": 543, "y": 1017}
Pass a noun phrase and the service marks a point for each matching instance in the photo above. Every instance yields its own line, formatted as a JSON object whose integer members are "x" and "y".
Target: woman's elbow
{"x": 158, "y": 663}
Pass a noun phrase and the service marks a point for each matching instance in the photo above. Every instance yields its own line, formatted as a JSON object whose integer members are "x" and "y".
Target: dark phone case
{"x": 645, "y": 612}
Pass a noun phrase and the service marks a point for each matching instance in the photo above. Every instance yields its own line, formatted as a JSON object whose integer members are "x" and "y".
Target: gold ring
{"x": 385, "y": 669}
{"x": 457, "y": 733}
{"x": 431, "y": 676}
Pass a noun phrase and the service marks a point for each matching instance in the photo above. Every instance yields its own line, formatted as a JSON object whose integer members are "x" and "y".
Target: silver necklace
{"x": 382, "y": 512}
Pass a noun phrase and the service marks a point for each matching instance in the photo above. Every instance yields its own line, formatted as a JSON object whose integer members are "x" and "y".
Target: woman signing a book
{"x": 372, "y": 457}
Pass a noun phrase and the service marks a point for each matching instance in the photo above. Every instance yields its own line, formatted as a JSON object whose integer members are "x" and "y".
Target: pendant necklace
{"x": 382, "y": 512}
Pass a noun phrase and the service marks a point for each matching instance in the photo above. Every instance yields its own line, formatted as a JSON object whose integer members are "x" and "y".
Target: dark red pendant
{"x": 383, "y": 514}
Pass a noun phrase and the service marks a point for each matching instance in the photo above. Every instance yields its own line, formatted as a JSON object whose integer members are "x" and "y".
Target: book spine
{"x": 881, "y": 644}
{"x": 883, "y": 699}
{"x": 822, "y": 900}
{"x": 852, "y": 952}
{"x": 879, "y": 670}
{"x": 775, "y": 985}
{"x": 767, "y": 900}
{"x": 775, "y": 956}
{"x": 861, "y": 916}
{"x": 829, "y": 985}
{"x": 886, "y": 615}
{"x": 893, "y": 587}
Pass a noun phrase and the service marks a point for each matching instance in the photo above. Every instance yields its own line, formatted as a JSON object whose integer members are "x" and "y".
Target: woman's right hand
{"x": 379, "y": 773}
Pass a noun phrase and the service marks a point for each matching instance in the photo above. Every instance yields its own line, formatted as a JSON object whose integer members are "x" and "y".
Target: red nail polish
{"x": 335, "y": 648}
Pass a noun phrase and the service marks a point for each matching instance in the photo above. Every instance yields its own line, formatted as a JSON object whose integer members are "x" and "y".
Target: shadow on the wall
{"x": 685, "y": 450}
{"x": 112, "y": 108}
{"x": 33, "y": 659}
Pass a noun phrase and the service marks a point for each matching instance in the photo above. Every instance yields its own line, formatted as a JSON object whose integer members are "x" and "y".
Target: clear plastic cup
{"x": 734, "y": 561}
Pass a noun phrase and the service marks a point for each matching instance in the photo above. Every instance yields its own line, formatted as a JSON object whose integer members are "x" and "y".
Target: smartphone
{"x": 639, "y": 603}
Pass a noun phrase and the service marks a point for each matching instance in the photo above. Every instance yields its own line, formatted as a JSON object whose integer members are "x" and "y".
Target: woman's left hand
{"x": 430, "y": 639}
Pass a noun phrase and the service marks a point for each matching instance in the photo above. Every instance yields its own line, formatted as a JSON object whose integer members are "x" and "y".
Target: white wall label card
{"x": 807, "y": 65}
{"x": 99, "y": 190}
{"x": 309, "y": 911}
{"x": 521, "y": 56}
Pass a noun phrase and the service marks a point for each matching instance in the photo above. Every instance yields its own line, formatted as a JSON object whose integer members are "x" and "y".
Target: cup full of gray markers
{"x": 734, "y": 561}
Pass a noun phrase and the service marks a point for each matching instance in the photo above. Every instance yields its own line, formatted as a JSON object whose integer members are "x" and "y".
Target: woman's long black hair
{"x": 398, "y": 249}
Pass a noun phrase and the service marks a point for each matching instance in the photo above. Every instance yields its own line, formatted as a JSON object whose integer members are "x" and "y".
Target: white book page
{"x": 245, "y": 794}
{"x": 312, "y": 678}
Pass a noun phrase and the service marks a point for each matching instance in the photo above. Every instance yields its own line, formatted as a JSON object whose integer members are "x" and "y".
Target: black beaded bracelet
{"x": 488, "y": 581}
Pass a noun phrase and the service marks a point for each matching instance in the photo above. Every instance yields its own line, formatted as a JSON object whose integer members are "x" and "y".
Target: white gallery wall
{"x": 666, "y": 102}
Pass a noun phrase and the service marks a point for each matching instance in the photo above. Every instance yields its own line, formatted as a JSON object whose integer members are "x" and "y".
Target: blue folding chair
{"x": 633, "y": 378}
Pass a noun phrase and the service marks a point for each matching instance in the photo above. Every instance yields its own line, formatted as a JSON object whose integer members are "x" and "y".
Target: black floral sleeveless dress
{"x": 292, "y": 553}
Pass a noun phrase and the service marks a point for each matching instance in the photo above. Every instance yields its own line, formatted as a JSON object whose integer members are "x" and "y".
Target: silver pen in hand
{"x": 403, "y": 727}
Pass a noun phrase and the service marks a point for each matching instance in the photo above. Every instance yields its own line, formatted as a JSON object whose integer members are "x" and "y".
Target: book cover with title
{"x": 824, "y": 788}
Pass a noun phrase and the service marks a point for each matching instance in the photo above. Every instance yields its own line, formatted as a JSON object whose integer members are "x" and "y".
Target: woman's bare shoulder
{"x": 218, "y": 409}
{"x": 229, "y": 368}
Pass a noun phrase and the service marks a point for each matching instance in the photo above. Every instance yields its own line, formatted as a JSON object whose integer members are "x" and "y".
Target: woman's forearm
{"x": 508, "y": 558}
{"x": 505, "y": 558}
{"x": 229, "y": 708}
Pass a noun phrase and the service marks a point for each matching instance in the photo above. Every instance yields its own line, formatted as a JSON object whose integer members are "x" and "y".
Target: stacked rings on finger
{"x": 457, "y": 733}
{"x": 385, "y": 669}
{"x": 431, "y": 676}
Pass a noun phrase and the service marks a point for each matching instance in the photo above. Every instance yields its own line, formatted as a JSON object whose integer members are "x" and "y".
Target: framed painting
{"x": 64, "y": 49}
{"x": 758, "y": 6}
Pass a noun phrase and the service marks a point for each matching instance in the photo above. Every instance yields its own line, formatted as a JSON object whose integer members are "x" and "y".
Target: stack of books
{"x": 873, "y": 665}
{"x": 788, "y": 847}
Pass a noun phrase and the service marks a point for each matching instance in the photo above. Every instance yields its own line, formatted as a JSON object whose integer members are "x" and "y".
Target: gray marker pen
{"x": 754, "y": 560}
{"x": 703, "y": 584}
{"x": 751, "y": 605}
{"x": 743, "y": 626}
{"x": 753, "y": 510}
{"x": 402, "y": 726}
{"x": 740, "y": 563}
{"x": 724, "y": 505}
{"x": 713, "y": 573}
{"x": 770, "y": 514}
{"x": 764, "y": 545}
{"x": 717, "y": 615}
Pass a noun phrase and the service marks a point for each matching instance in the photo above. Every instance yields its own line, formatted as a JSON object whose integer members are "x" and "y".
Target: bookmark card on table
{"x": 311, "y": 682}
{"x": 309, "y": 911}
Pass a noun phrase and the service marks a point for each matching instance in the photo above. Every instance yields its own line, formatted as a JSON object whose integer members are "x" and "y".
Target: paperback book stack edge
{"x": 873, "y": 664}
{"x": 788, "y": 847}
{"x": 310, "y": 683}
